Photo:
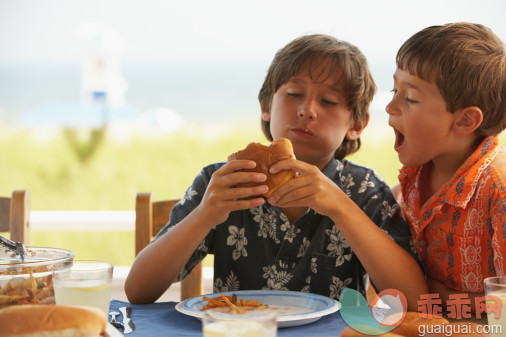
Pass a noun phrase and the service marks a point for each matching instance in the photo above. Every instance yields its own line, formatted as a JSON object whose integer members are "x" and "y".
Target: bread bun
{"x": 412, "y": 321}
{"x": 265, "y": 157}
{"x": 408, "y": 328}
{"x": 51, "y": 321}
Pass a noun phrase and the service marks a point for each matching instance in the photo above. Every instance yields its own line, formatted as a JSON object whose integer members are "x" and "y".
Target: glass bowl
{"x": 31, "y": 281}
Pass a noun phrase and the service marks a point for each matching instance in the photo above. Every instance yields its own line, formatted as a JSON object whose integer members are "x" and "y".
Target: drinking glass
{"x": 496, "y": 286}
{"x": 85, "y": 282}
{"x": 217, "y": 323}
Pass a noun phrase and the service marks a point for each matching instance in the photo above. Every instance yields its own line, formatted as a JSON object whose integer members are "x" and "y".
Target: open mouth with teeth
{"x": 399, "y": 140}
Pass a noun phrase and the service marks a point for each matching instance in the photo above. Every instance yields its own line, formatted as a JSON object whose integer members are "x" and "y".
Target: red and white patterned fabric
{"x": 460, "y": 232}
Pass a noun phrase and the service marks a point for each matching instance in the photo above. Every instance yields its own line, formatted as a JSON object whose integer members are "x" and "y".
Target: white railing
{"x": 82, "y": 220}
{"x": 92, "y": 221}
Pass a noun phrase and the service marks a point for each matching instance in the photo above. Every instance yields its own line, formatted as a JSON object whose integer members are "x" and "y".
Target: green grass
{"x": 117, "y": 247}
{"x": 165, "y": 165}
{"x": 379, "y": 155}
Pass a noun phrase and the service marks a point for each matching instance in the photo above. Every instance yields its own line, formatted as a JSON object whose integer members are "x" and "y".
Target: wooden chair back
{"x": 150, "y": 217}
{"x": 15, "y": 216}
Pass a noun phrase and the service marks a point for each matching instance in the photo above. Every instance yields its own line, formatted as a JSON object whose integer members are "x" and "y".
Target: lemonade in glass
{"x": 86, "y": 282}
{"x": 496, "y": 286}
{"x": 219, "y": 324}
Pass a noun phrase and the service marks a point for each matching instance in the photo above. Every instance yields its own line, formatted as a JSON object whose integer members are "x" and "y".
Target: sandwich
{"x": 51, "y": 320}
{"x": 265, "y": 157}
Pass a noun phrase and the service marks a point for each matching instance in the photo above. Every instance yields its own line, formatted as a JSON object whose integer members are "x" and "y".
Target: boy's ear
{"x": 356, "y": 129}
{"x": 467, "y": 120}
{"x": 266, "y": 115}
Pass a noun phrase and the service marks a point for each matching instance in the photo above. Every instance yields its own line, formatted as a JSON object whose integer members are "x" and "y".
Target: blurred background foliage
{"x": 109, "y": 180}
{"x": 117, "y": 170}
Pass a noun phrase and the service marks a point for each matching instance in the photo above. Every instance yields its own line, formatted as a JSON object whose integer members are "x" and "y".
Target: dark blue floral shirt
{"x": 259, "y": 248}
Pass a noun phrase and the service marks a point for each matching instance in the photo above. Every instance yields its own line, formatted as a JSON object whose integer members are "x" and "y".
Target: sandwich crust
{"x": 265, "y": 157}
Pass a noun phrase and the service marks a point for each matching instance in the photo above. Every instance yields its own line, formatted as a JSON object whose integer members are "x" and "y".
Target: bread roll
{"x": 408, "y": 328}
{"x": 51, "y": 321}
{"x": 265, "y": 157}
{"x": 412, "y": 321}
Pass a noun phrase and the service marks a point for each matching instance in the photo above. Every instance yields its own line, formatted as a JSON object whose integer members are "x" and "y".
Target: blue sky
{"x": 225, "y": 30}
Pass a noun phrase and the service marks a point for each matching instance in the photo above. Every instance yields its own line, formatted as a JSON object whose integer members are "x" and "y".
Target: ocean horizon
{"x": 37, "y": 94}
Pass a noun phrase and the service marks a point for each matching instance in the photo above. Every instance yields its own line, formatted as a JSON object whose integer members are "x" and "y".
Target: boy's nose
{"x": 390, "y": 108}
{"x": 307, "y": 110}
{"x": 306, "y": 114}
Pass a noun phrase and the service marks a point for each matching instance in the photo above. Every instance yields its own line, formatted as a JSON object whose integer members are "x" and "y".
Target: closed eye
{"x": 407, "y": 99}
{"x": 327, "y": 102}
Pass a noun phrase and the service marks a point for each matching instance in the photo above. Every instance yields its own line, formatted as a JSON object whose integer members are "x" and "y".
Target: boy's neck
{"x": 293, "y": 213}
{"x": 441, "y": 170}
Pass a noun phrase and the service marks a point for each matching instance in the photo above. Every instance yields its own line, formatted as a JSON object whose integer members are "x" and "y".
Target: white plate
{"x": 294, "y": 308}
{"x": 111, "y": 331}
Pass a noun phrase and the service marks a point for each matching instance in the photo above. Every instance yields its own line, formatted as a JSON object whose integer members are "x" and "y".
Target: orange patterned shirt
{"x": 460, "y": 232}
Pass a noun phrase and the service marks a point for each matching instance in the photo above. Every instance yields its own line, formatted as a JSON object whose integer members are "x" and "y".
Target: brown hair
{"x": 356, "y": 79}
{"x": 467, "y": 63}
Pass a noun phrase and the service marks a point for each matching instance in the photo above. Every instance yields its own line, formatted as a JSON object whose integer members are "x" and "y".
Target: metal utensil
{"x": 17, "y": 247}
{"x": 114, "y": 322}
{"x": 127, "y": 321}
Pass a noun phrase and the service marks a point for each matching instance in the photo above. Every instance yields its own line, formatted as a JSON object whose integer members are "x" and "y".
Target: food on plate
{"x": 51, "y": 320}
{"x": 265, "y": 157}
{"x": 232, "y": 304}
{"x": 20, "y": 289}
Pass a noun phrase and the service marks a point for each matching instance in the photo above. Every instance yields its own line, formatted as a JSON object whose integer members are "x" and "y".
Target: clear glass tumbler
{"x": 85, "y": 282}
{"x": 496, "y": 286}
{"x": 261, "y": 323}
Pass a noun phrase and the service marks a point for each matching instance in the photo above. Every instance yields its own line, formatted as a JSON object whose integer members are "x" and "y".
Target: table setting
{"x": 38, "y": 280}
{"x": 48, "y": 278}
{"x": 164, "y": 319}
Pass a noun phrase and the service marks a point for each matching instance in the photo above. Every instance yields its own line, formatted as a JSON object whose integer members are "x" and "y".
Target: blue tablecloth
{"x": 162, "y": 319}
